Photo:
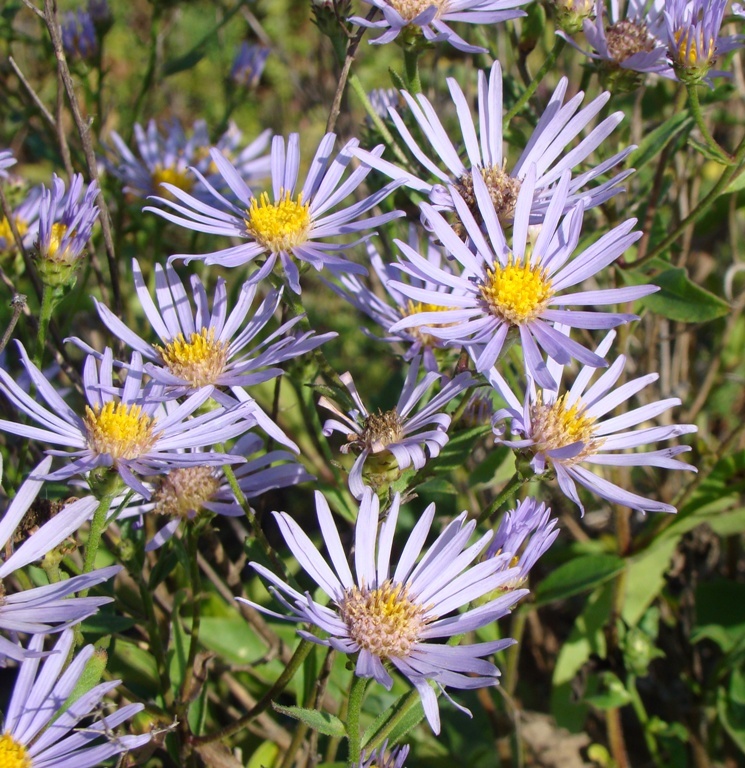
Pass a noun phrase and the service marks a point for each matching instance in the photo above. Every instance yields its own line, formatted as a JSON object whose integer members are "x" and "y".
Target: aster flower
{"x": 203, "y": 348}
{"x": 386, "y": 313}
{"x": 524, "y": 534}
{"x": 378, "y": 759}
{"x": 65, "y": 226}
{"x": 547, "y": 150}
{"x": 289, "y": 224}
{"x": 429, "y": 18}
{"x": 167, "y": 158}
{"x": 185, "y": 492}
{"x": 79, "y": 39}
{"x": 633, "y": 43}
{"x": 25, "y": 216}
{"x": 693, "y": 38}
{"x": 565, "y": 432}
{"x": 6, "y": 160}
{"x": 48, "y": 608}
{"x": 36, "y": 735}
{"x": 248, "y": 65}
{"x": 394, "y": 438}
{"x": 391, "y": 617}
{"x": 129, "y": 429}
{"x": 521, "y": 286}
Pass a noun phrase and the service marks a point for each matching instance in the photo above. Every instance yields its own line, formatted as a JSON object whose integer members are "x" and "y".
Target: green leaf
{"x": 323, "y": 722}
{"x": 681, "y": 299}
{"x": 732, "y": 716}
{"x": 89, "y": 679}
{"x": 645, "y": 579}
{"x": 231, "y": 638}
{"x": 736, "y": 185}
{"x": 720, "y": 613}
{"x": 458, "y": 449}
{"x": 578, "y": 575}
{"x": 613, "y": 693}
{"x": 653, "y": 143}
{"x": 182, "y": 63}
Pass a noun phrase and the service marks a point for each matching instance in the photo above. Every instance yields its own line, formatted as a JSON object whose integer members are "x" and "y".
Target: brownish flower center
{"x": 625, "y": 38}
{"x": 503, "y": 191}
{"x": 558, "y": 425}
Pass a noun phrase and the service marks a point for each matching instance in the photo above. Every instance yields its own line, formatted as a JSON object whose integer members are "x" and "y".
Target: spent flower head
{"x": 563, "y": 432}
{"x": 39, "y": 732}
{"x": 400, "y": 616}
{"x": 444, "y": 168}
{"x": 394, "y": 440}
{"x": 286, "y": 224}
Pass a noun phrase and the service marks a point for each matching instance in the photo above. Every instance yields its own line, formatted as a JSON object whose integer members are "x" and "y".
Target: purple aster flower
{"x": 36, "y": 735}
{"x": 524, "y": 535}
{"x": 394, "y": 438}
{"x": 393, "y": 617}
{"x": 522, "y": 286}
{"x": 6, "y": 160}
{"x": 185, "y": 492}
{"x": 249, "y": 64}
{"x": 633, "y": 43}
{"x": 289, "y": 223}
{"x": 565, "y": 432}
{"x": 130, "y": 429}
{"x": 65, "y": 226}
{"x": 547, "y": 150}
{"x": 386, "y": 313}
{"x": 378, "y": 759}
{"x": 202, "y": 348}
{"x": 25, "y": 216}
{"x": 693, "y": 38}
{"x": 167, "y": 159}
{"x": 79, "y": 38}
{"x": 429, "y": 18}
{"x": 48, "y": 608}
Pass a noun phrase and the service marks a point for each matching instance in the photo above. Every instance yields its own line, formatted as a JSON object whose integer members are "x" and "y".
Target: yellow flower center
{"x": 557, "y": 426}
{"x": 383, "y": 621}
{"x": 171, "y": 175}
{"x": 694, "y": 58}
{"x": 416, "y": 308}
{"x": 410, "y": 9}
{"x": 6, "y": 233}
{"x": 183, "y": 492}
{"x": 55, "y": 241}
{"x": 279, "y": 226}
{"x": 123, "y": 431}
{"x": 13, "y": 754}
{"x": 503, "y": 191}
{"x": 198, "y": 361}
{"x": 517, "y": 293}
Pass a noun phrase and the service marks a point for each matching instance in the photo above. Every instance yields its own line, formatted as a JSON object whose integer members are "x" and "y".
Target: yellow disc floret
{"x": 516, "y": 293}
{"x": 120, "y": 430}
{"x": 278, "y": 226}
{"x": 171, "y": 175}
{"x": 559, "y": 425}
{"x": 13, "y": 754}
{"x": 383, "y": 621}
{"x": 699, "y": 56}
{"x": 198, "y": 360}
{"x": 6, "y": 233}
{"x": 416, "y": 308}
{"x": 410, "y": 9}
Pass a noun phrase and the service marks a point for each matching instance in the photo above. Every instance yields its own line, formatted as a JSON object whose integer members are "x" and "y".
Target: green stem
{"x": 728, "y": 174}
{"x": 643, "y": 717}
{"x": 48, "y": 302}
{"x": 356, "y": 697}
{"x": 519, "y": 619}
{"x": 387, "y": 728}
{"x": 536, "y": 81}
{"x": 411, "y": 69}
{"x": 695, "y": 106}
{"x": 156, "y": 641}
{"x": 196, "y": 589}
{"x": 98, "y": 523}
{"x": 506, "y": 494}
{"x": 377, "y": 121}
{"x": 301, "y": 653}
